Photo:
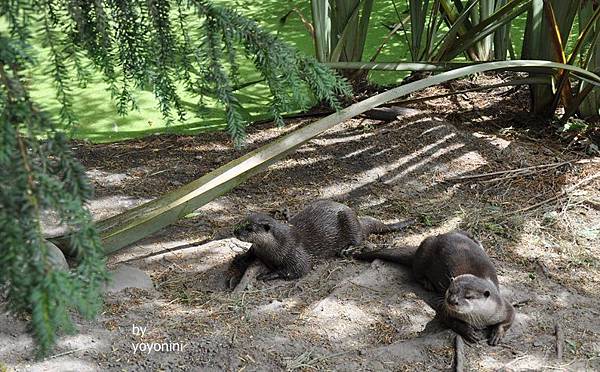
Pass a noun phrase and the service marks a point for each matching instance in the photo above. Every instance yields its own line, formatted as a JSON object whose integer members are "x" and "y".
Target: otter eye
{"x": 266, "y": 227}
{"x": 486, "y": 294}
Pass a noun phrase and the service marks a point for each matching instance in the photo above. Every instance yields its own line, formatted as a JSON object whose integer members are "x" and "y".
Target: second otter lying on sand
{"x": 323, "y": 229}
{"x": 456, "y": 266}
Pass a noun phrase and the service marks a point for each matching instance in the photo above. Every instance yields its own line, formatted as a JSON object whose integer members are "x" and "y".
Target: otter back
{"x": 324, "y": 228}
{"x": 456, "y": 266}
{"x": 440, "y": 258}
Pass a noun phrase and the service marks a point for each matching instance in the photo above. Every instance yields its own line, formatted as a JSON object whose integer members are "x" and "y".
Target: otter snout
{"x": 253, "y": 227}
{"x": 240, "y": 234}
{"x": 455, "y": 303}
{"x": 455, "y": 299}
{"x": 236, "y": 232}
{"x": 241, "y": 231}
{"x": 458, "y": 305}
{"x": 452, "y": 300}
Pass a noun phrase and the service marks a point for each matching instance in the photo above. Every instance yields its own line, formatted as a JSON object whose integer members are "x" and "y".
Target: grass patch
{"x": 99, "y": 121}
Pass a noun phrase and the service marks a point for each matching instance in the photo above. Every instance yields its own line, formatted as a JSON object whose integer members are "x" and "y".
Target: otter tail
{"x": 372, "y": 225}
{"x": 402, "y": 255}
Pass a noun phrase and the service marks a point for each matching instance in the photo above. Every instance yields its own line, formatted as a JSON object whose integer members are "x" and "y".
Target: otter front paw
{"x": 466, "y": 331}
{"x": 356, "y": 251}
{"x": 271, "y": 275}
{"x": 496, "y": 335}
{"x": 231, "y": 282}
{"x": 232, "y": 278}
{"x": 351, "y": 250}
{"x": 278, "y": 274}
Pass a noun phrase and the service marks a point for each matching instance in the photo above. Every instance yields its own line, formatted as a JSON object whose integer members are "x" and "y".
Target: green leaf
{"x": 321, "y": 12}
{"x": 501, "y": 17}
{"x": 458, "y": 25}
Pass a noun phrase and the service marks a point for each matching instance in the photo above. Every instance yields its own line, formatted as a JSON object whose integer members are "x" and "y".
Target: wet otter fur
{"x": 456, "y": 266}
{"x": 324, "y": 228}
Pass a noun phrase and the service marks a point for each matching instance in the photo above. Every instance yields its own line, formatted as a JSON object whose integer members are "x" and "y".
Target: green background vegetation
{"x": 99, "y": 121}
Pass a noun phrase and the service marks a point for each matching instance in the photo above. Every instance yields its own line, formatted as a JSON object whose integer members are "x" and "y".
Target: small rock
{"x": 126, "y": 276}
{"x": 274, "y": 306}
{"x": 56, "y": 257}
{"x": 550, "y": 217}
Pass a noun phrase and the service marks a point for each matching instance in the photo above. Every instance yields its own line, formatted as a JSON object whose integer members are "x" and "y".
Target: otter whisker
{"x": 478, "y": 320}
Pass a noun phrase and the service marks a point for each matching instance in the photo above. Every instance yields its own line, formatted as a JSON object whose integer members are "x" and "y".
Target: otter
{"x": 456, "y": 266}
{"x": 324, "y": 228}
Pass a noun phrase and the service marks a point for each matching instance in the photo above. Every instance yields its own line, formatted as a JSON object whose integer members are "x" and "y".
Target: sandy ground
{"x": 348, "y": 315}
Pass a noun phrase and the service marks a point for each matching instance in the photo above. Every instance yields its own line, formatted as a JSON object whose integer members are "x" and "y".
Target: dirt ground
{"x": 541, "y": 226}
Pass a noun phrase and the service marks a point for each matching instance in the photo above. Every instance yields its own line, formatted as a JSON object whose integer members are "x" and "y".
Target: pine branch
{"x": 134, "y": 44}
{"x": 36, "y": 177}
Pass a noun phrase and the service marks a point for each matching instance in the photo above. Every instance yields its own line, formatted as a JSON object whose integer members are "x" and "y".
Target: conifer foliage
{"x": 37, "y": 176}
{"x": 169, "y": 46}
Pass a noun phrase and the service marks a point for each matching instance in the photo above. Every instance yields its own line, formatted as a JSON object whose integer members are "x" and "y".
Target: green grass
{"x": 99, "y": 121}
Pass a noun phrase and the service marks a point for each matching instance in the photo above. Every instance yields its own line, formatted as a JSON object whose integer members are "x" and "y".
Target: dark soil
{"x": 541, "y": 232}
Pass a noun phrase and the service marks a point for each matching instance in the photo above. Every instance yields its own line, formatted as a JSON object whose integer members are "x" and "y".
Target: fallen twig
{"x": 251, "y": 273}
{"x": 593, "y": 203}
{"x": 363, "y": 286}
{"x": 521, "y": 173}
{"x": 390, "y": 113}
{"x": 302, "y": 115}
{"x": 517, "y": 171}
{"x": 66, "y": 353}
{"x": 306, "y": 360}
{"x": 521, "y": 302}
{"x": 459, "y": 354}
{"x": 563, "y": 193}
{"x": 560, "y": 340}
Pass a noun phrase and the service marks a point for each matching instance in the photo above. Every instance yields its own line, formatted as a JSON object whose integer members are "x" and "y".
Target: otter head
{"x": 254, "y": 228}
{"x": 468, "y": 296}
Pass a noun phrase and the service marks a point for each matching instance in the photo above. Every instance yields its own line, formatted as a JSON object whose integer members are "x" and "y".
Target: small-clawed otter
{"x": 456, "y": 266}
{"x": 322, "y": 229}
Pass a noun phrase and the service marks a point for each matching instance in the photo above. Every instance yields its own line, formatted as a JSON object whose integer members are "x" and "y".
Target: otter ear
{"x": 486, "y": 294}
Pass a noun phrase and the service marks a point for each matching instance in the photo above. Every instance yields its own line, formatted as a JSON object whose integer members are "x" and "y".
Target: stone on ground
{"x": 125, "y": 276}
